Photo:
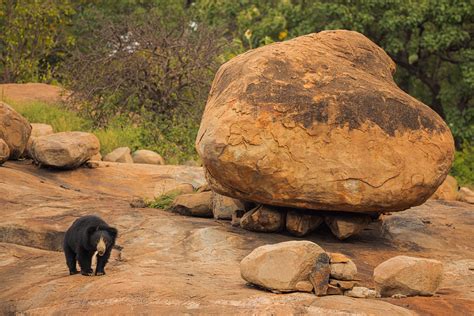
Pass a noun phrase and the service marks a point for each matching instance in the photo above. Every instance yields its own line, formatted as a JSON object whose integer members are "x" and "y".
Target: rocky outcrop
{"x": 300, "y": 224}
{"x": 403, "y": 275}
{"x": 195, "y": 204}
{"x": 121, "y": 154}
{"x": 223, "y": 207}
{"x": 263, "y": 218}
{"x": 147, "y": 157}
{"x": 331, "y": 132}
{"x": 66, "y": 150}
{"x": 282, "y": 267}
{"x": 448, "y": 190}
{"x": 15, "y": 130}
{"x": 344, "y": 226}
{"x": 4, "y": 151}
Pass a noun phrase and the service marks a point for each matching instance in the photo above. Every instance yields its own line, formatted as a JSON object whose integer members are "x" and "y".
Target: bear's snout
{"x": 101, "y": 246}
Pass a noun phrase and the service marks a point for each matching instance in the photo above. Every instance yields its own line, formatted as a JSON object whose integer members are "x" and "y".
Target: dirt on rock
{"x": 171, "y": 264}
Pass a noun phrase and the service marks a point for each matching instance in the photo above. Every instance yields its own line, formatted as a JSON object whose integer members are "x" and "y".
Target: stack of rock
{"x": 304, "y": 266}
{"x": 329, "y": 133}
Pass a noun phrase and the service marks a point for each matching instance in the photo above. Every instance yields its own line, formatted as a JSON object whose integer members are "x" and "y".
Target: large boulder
{"x": 4, "y": 151}
{"x": 283, "y": 267}
{"x": 66, "y": 150}
{"x": 147, "y": 157}
{"x": 121, "y": 154}
{"x": 318, "y": 122}
{"x": 15, "y": 130}
{"x": 403, "y": 275}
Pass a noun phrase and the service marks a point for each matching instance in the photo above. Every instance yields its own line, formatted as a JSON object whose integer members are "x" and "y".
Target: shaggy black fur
{"x": 80, "y": 244}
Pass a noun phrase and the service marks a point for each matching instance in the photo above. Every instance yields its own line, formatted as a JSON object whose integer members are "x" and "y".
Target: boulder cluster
{"x": 64, "y": 150}
{"x": 305, "y": 267}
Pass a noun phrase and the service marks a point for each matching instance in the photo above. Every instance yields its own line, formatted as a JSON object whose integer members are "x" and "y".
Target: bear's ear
{"x": 112, "y": 231}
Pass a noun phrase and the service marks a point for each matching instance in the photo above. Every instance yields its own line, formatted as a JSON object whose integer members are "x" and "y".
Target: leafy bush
{"x": 163, "y": 201}
{"x": 463, "y": 166}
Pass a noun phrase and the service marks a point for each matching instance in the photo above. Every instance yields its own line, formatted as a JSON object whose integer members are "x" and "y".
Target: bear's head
{"x": 101, "y": 238}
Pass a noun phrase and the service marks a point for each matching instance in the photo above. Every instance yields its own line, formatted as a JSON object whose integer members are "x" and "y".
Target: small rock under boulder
{"x": 15, "y": 130}
{"x": 121, "y": 154}
{"x": 281, "y": 267}
{"x": 448, "y": 190}
{"x": 4, "y": 151}
{"x": 300, "y": 223}
{"x": 147, "y": 157}
{"x": 66, "y": 150}
{"x": 410, "y": 276}
{"x": 263, "y": 218}
{"x": 223, "y": 207}
{"x": 194, "y": 204}
{"x": 344, "y": 226}
{"x": 361, "y": 292}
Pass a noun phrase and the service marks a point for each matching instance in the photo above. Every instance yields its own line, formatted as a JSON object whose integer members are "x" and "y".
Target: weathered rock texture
{"x": 448, "y": 190}
{"x": 223, "y": 206}
{"x": 263, "y": 218}
{"x": 317, "y": 122}
{"x": 408, "y": 276}
{"x": 344, "y": 226}
{"x": 121, "y": 154}
{"x": 147, "y": 157}
{"x": 195, "y": 204}
{"x": 280, "y": 267}
{"x": 466, "y": 195}
{"x": 39, "y": 129}
{"x": 4, "y": 151}
{"x": 66, "y": 150}
{"x": 15, "y": 130}
{"x": 301, "y": 224}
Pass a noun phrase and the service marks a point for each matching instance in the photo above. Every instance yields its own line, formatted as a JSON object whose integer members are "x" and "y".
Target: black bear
{"x": 87, "y": 235}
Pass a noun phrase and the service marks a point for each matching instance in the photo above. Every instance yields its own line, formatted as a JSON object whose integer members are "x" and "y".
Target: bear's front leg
{"x": 85, "y": 260}
{"x": 102, "y": 261}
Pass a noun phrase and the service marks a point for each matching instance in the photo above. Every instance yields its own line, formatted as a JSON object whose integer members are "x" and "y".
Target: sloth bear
{"x": 87, "y": 235}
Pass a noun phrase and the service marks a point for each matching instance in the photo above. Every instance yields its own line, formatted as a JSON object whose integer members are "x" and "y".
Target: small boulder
{"x": 299, "y": 223}
{"x": 181, "y": 188}
{"x": 280, "y": 267}
{"x": 408, "y": 276}
{"x": 172, "y": 186}
{"x": 194, "y": 204}
{"x": 39, "y": 129}
{"x": 466, "y": 195}
{"x": 345, "y": 271}
{"x": 263, "y": 218}
{"x": 147, "y": 157}
{"x": 121, "y": 154}
{"x": 15, "y": 130}
{"x": 66, "y": 150}
{"x": 344, "y": 226}
{"x": 4, "y": 151}
{"x": 137, "y": 202}
{"x": 334, "y": 290}
{"x": 448, "y": 190}
{"x": 343, "y": 285}
{"x": 223, "y": 207}
{"x": 361, "y": 292}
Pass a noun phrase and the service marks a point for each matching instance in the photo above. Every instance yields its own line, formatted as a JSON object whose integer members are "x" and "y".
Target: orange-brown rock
{"x": 4, "y": 151}
{"x": 15, "y": 130}
{"x": 448, "y": 190}
{"x": 318, "y": 122}
{"x": 65, "y": 150}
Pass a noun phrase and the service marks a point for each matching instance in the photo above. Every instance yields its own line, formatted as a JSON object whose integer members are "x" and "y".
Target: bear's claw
{"x": 87, "y": 273}
{"x": 100, "y": 273}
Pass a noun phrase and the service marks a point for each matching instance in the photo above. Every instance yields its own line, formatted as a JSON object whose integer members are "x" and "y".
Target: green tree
{"x": 32, "y": 38}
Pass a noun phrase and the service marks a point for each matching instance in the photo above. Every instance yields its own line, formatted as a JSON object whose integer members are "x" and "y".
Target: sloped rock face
{"x": 15, "y": 130}
{"x": 66, "y": 150}
{"x": 317, "y": 122}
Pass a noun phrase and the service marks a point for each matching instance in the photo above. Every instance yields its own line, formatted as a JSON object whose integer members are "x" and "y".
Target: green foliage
{"x": 163, "y": 201}
{"x": 463, "y": 166}
{"x": 57, "y": 116}
{"x": 32, "y": 38}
